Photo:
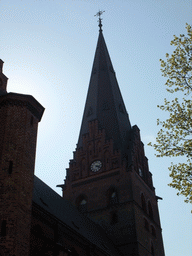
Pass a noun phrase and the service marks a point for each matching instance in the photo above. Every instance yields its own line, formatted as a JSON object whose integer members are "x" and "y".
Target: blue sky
{"x": 48, "y": 48}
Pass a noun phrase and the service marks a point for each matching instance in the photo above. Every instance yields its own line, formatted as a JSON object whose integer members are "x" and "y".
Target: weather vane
{"x": 99, "y": 13}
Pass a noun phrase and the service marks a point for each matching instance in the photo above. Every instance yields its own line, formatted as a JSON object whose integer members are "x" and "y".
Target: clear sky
{"x": 48, "y": 48}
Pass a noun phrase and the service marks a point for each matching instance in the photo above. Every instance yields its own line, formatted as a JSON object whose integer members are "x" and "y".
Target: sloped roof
{"x": 65, "y": 212}
{"x": 104, "y": 100}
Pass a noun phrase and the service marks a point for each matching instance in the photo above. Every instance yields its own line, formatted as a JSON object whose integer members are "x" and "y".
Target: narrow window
{"x": 98, "y": 147}
{"x": 107, "y": 164}
{"x": 3, "y": 228}
{"x": 113, "y": 197}
{"x": 32, "y": 120}
{"x": 82, "y": 205}
{"x": 83, "y": 168}
{"x": 114, "y": 218}
{"x": 90, "y": 149}
{"x": 140, "y": 172}
{"x": 143, "y": 203}
{"x": 10, "y": 169}
{"x": 152, "y": 250}
{"x": 146, "y": 224}
{"x": 153, "y": 231}
{"x": 150, "y": 210}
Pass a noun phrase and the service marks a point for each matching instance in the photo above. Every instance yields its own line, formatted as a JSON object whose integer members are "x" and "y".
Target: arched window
{"x": 98, "y": 147}
{"x": 146, "y": 224}
{"x": 90, "y": 150}
{"x": 150, "y": 210}
{"x": 3, "y": 228}
{"x": 81, "y": 203}
{"x": 83, "y": 168}
{"x": 112, "y": 196}
{"x": 10, "y": 169}
{"x": 107, "y": 162}
{"x": 140, "y": 172}
{"x": 143, "y": 203}
{"x": 153, "y": 232}
{"x": 114, "y": 218}
{"x": 83, "y": 206}
{"x": 152, "y": 250}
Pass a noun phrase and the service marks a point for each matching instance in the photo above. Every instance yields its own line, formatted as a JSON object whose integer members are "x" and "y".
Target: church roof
{"x": 63, "y": 211}
{"x": 104, "y": 100}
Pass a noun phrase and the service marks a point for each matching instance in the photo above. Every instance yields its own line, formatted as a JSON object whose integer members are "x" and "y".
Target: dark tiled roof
{"x": 104, "y": 100}
{"x": 65, "y": 212}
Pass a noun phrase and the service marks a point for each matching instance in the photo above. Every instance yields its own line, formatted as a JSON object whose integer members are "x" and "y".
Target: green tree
{"x": 175, "y": 136}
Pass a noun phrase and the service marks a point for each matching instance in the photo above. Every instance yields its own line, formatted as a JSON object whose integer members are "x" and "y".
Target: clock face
{"x": 96, "y": 166}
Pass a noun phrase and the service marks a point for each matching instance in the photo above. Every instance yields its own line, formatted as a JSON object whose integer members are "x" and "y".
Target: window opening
{"x": 143, "y": 203}
{"x": 113, "y": 197}
{"x": 82, "y": 206}
{"x": 10, "y": 169}
{"x": 152, "y": 250}
{"x": 114, "y": 218}
{"x": 3, "y": 228}
{"x": 140, "y": 172}
{"x": 83, "y": 202}
{"x": 153, "y": 231}
{"x": 146, "y": 224}
{"x": 150, "y": 210}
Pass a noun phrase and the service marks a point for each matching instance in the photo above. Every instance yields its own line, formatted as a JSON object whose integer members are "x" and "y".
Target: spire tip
{"x": 99, "y": 13}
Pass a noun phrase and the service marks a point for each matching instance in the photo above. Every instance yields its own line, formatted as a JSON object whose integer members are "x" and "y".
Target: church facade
{"x": 109, "y": 206}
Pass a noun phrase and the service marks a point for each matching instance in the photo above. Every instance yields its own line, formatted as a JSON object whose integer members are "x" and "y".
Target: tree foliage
{"x": 175, "y": 136}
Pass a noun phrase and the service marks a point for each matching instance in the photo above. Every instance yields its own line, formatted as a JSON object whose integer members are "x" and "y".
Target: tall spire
{"x": 104, "y": 100}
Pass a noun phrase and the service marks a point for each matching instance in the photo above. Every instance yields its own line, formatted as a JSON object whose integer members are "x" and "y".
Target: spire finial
{"x": 99, "y": 13}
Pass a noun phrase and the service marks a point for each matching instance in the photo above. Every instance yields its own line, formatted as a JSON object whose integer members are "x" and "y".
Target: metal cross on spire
{"x": 99, "y": 13}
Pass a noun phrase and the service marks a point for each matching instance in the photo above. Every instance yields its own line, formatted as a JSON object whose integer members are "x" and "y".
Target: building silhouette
{"x": 109, "y": 206}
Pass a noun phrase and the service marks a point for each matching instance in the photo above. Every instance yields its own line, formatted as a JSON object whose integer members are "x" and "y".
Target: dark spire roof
{"x": 104, "y": 101}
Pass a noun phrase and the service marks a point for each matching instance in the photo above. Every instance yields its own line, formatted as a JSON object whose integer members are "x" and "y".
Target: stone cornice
{"x": 28, "y": 101}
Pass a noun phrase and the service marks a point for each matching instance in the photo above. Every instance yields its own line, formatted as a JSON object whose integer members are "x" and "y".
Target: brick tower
{"x": 108, "y": 178}
{"x": 19, "y": 117}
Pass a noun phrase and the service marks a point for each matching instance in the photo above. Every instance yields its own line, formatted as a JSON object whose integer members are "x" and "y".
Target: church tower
{"x": 19, "y": 117}
{"x": 108, "y": 178}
